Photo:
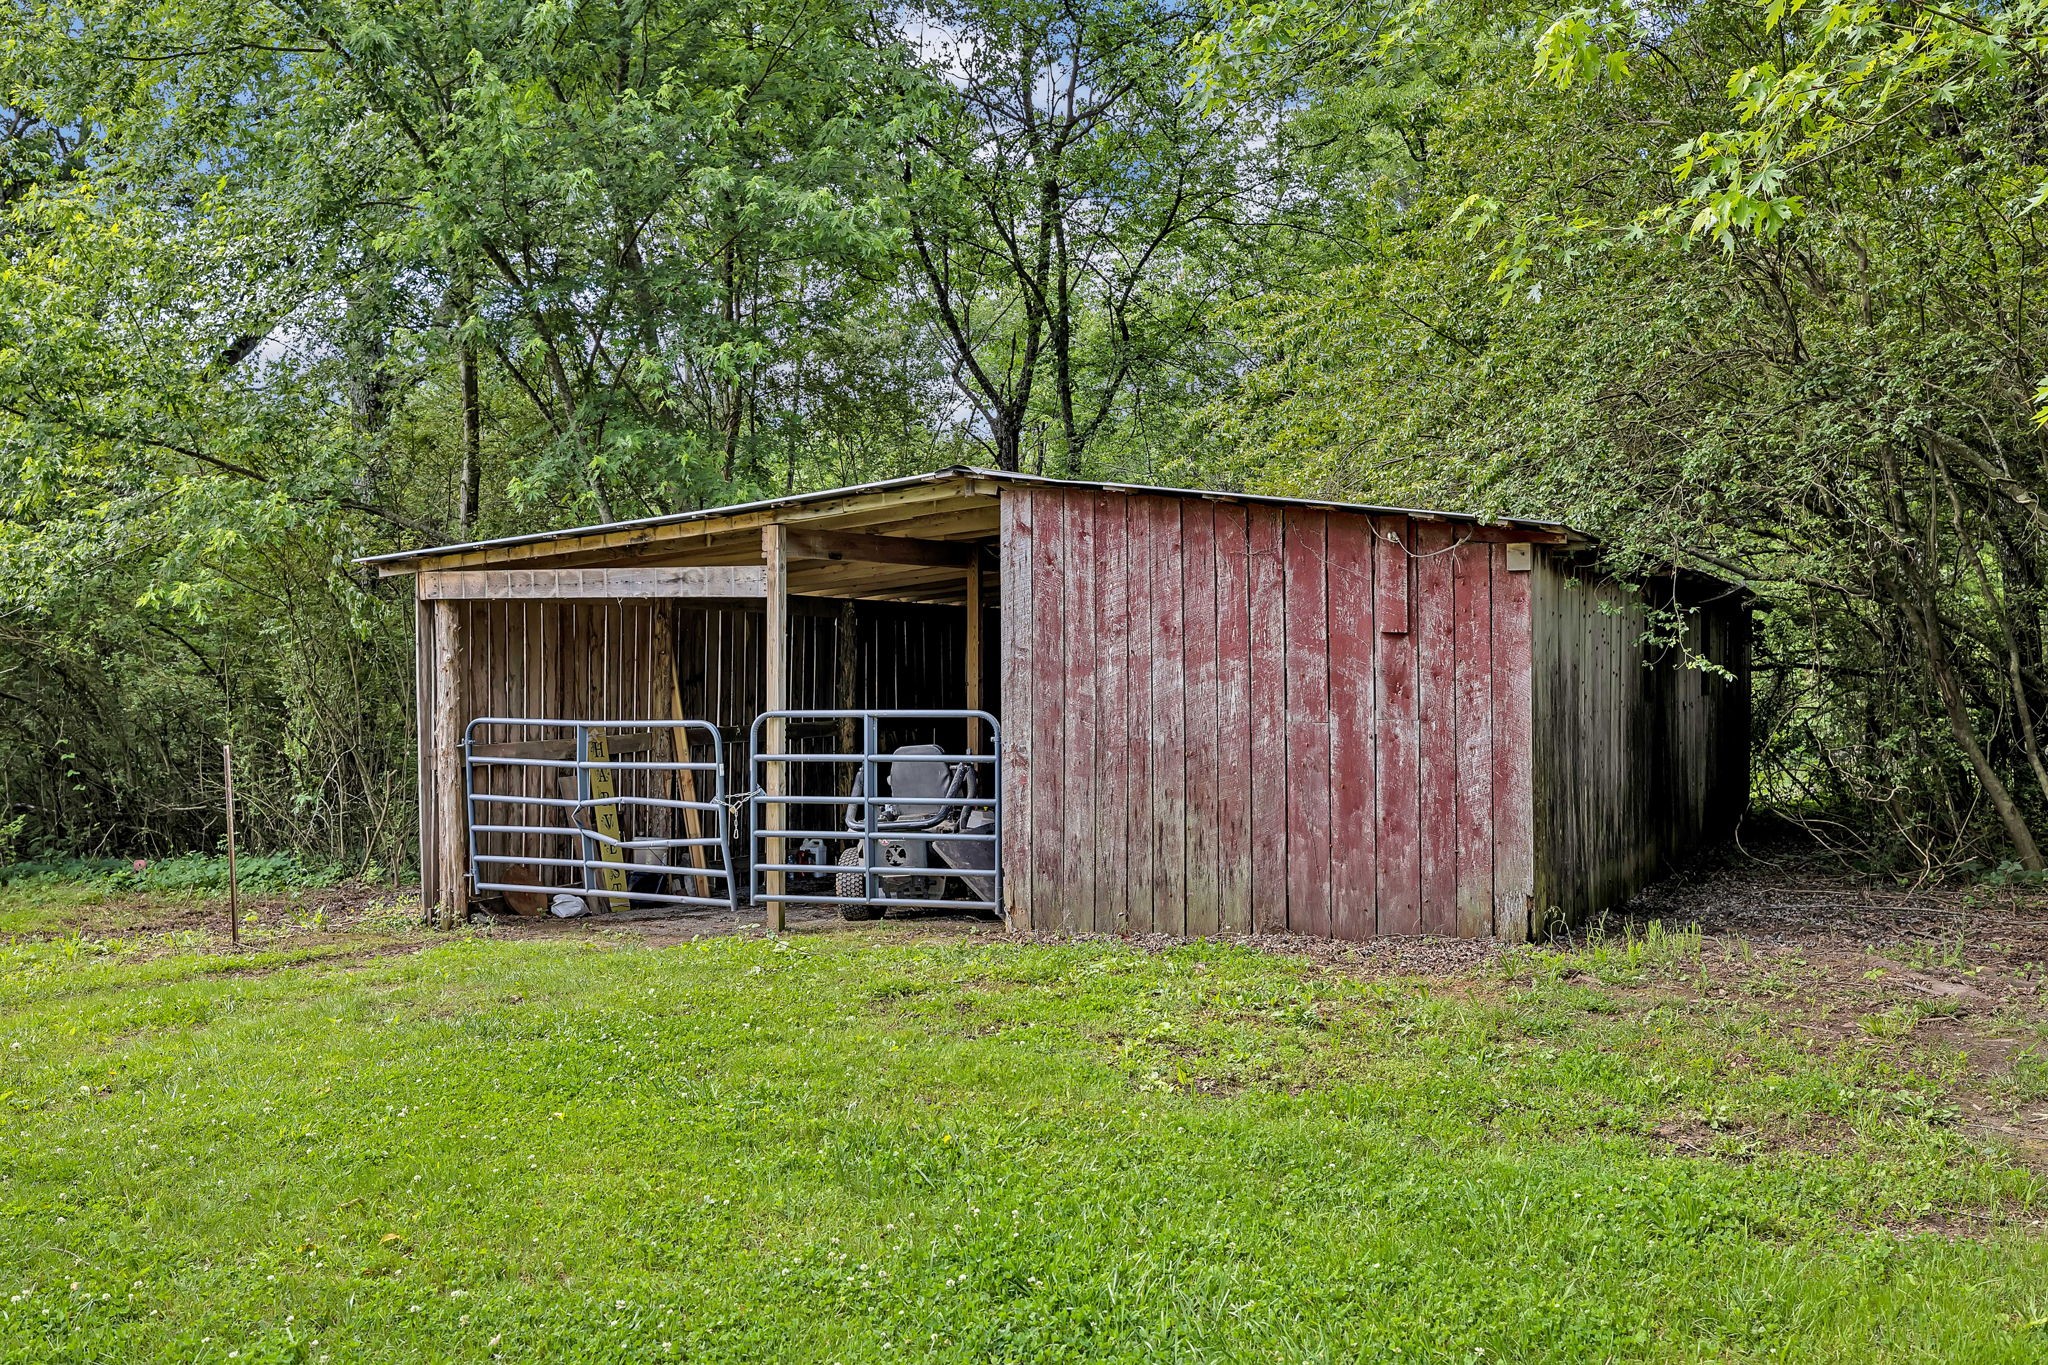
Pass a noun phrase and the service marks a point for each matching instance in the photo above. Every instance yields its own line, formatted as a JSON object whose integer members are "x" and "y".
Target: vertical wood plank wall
{"x": 547, "y": 660}
{"x": 1230, "y": 718}
{"x": 842, "y": 655}
{"x": 597, "y": 660}
{"x": 1639, "y": 759}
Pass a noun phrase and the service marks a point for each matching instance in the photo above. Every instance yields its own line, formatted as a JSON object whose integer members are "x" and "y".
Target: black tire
{"x": 853, "y": 884}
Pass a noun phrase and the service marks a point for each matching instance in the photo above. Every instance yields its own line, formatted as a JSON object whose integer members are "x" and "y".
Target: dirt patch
{"x": 326, "y": 910}
{"x": 1949, "y": 982}
{"x": 1394, "y": 955}
{"x": 1963, "y": 1225}
{"x": 1797, "y": 900}
{"x": 667, "y": 925}
{"x": 1739, "y": 1142}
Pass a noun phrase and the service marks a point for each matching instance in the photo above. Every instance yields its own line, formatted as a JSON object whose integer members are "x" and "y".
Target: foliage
{"x": 855, "y": 1149}
{"x": 1061, "y": 176}
{"x": 1788, "y": 342}
{"x": 192, "y": 874}
{"x": 1749, "y": 286}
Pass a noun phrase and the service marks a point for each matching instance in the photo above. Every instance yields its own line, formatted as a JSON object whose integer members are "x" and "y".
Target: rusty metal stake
{"x": 227, "y": 774}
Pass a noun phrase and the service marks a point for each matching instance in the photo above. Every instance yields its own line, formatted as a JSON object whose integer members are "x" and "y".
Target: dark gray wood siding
{"x": 1641, "y": 757}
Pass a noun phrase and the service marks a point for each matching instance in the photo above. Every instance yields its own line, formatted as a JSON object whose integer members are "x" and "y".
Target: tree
{"x": 1055, "y": 186}
{"x": 293, "y": 283}
{"x": 1750, "y": 335}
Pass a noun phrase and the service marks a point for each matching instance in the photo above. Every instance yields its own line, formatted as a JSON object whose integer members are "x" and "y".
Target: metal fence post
{"x": 870, "y": 778}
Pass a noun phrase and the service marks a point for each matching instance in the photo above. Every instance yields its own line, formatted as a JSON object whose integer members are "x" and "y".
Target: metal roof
{"x": 962, "y": 473}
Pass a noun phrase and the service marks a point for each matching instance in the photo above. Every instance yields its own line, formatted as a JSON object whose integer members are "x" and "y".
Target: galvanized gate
{"x": 516, "y": 823}
{"x": 939, "y": 824}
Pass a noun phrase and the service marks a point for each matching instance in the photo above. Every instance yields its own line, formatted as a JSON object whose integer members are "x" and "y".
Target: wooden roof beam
{"x": 452, "y": 585}
{"x": 855, "y": 546}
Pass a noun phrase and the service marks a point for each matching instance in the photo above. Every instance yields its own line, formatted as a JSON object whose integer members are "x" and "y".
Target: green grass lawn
{"x": 369, "y": 1144}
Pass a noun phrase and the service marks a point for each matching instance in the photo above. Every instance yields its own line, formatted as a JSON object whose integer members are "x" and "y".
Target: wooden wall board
{"x": 1108, "y": 807}
{"x": 1434, "y": 629}
{"x": 1199, "y": 691}
{"x": 1134, "y": 776}
{"x": 1514, "y": 855}
{"x": 1048, "y": 664}
{"x": 1018, "y": 637}
{"x": 1169, "y": 719}
{"x": 1397, "y": 732}
{"x": 1266, "y": 617}
{"x": 1307, "y": 704}
{"x": 1111, "y": 757}
{"x": 1077, "y": 719}
{"x": 1354, "y": 636}
{"x": 1233, "y": 722}
{"x": 975, "y": 660}
{"x": 436, "y": 585}
{"x": 1472, "y": 628}
{"x": 424, "y": 713}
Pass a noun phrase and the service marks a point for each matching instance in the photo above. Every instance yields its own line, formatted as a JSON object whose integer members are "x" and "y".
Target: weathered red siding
{"x": 1223, "y": 717}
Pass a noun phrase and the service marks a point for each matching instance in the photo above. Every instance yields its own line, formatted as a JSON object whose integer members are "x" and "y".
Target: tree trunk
{"x": 472, "y": 443}
{"x": 1063, "y": 335}
{"x": 731, "y": 308}
{"x": 1926, "y": 624}
{"x": 1009, "y": 443}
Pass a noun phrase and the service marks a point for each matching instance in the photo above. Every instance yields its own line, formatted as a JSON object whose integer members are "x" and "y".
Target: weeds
{"x": 191, "y": 874}
{"x": 1932, "y": 955}
{"x": 1899, "y": 1021}
{"x": 1630, "y": 958}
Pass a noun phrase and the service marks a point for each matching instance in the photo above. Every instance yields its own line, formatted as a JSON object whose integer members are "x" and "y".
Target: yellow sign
{"x": 604, "y": 816}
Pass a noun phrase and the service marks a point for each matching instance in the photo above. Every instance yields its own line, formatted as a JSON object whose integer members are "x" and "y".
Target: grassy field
{"x": 352, "y": 1142}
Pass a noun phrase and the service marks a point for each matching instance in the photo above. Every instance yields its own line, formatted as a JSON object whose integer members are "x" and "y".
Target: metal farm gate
{"x": 903, "y": 811}
{"x": 880, "y": 825}
{"x": 599, "y": 808}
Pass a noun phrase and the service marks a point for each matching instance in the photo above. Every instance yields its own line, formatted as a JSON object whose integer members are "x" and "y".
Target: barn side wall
{"x": 1639, "y": 759}
{"x": 1223, "y": 718}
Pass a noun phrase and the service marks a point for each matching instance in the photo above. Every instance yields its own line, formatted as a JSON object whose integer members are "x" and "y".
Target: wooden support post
{"x": 451, "y": 819}
{"x": 424, "y": 713}
{"x": 775, "y": 557}
{"x": 227, "y": 787}
{"x": 974, "y": 651}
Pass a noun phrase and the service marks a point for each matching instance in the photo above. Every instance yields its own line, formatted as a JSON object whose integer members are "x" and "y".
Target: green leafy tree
{"x": 1785, "y": 339}
{"x": 1058, "y": 188}
{"x": 292, "y": 283}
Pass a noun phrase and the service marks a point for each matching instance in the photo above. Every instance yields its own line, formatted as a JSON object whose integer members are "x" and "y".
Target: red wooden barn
{"x": 1219, "y": 713}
